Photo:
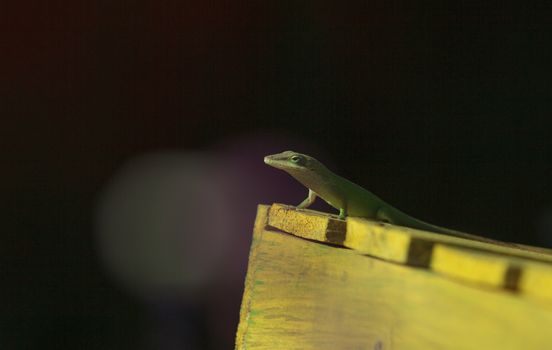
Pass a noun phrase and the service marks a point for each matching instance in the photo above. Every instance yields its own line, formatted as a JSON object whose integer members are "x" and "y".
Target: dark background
{"x": 443, "y": 110}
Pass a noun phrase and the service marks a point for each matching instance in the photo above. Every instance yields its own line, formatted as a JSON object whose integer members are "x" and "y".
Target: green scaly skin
{"x": 349, "y": 198}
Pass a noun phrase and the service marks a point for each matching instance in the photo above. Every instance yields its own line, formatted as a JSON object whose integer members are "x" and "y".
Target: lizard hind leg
{"x": 383, "y": 216}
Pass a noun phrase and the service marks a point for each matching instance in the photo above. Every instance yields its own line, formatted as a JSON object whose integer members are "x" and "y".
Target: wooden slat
{"x": 489, "y": 263}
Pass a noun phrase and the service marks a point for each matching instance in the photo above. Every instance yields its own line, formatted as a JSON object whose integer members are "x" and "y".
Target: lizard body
{"x": 349, "y": 198}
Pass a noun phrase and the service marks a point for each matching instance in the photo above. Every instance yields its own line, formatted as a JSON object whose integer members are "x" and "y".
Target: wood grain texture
{"x": 301, "y": 294}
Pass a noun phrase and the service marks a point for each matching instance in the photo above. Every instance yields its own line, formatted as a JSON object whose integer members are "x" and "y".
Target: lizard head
{"x": 293, "y": 162}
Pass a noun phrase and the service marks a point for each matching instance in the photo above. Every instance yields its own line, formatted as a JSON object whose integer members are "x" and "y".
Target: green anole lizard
{"x": 349, "y": 198}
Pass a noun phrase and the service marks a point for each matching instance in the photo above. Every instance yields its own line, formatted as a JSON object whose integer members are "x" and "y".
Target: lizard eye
{"x": 295, "y": 159}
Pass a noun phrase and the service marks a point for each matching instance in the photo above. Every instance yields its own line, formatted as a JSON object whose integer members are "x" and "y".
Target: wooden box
{"x": 317, "y": 282}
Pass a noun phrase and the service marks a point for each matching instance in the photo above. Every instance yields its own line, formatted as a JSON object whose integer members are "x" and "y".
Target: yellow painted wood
{"x": 471, "y": 265}
{"x": 301, "y": 294}
{"x": 487, "y": 262}
{"x": 378, "y": 240}
{"x": 536, "y": 281}
{"x": 384, "y": 240}
{"x": 305, "y": 223}
{"x": 528, "y": 278}
{"x": 362, "y": 233}
{"x": 438, "y": 252}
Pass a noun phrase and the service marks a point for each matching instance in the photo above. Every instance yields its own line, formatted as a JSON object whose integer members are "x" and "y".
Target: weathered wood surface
{"x": 394, "y": 288}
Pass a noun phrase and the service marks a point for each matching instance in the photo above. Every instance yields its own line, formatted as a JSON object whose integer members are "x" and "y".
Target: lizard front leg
{"x": 308, "y": 201}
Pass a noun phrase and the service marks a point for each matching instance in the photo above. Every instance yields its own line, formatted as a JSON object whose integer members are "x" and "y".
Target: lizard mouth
{"x": 271, "y": 161}
{"x": 276, "y": 163}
